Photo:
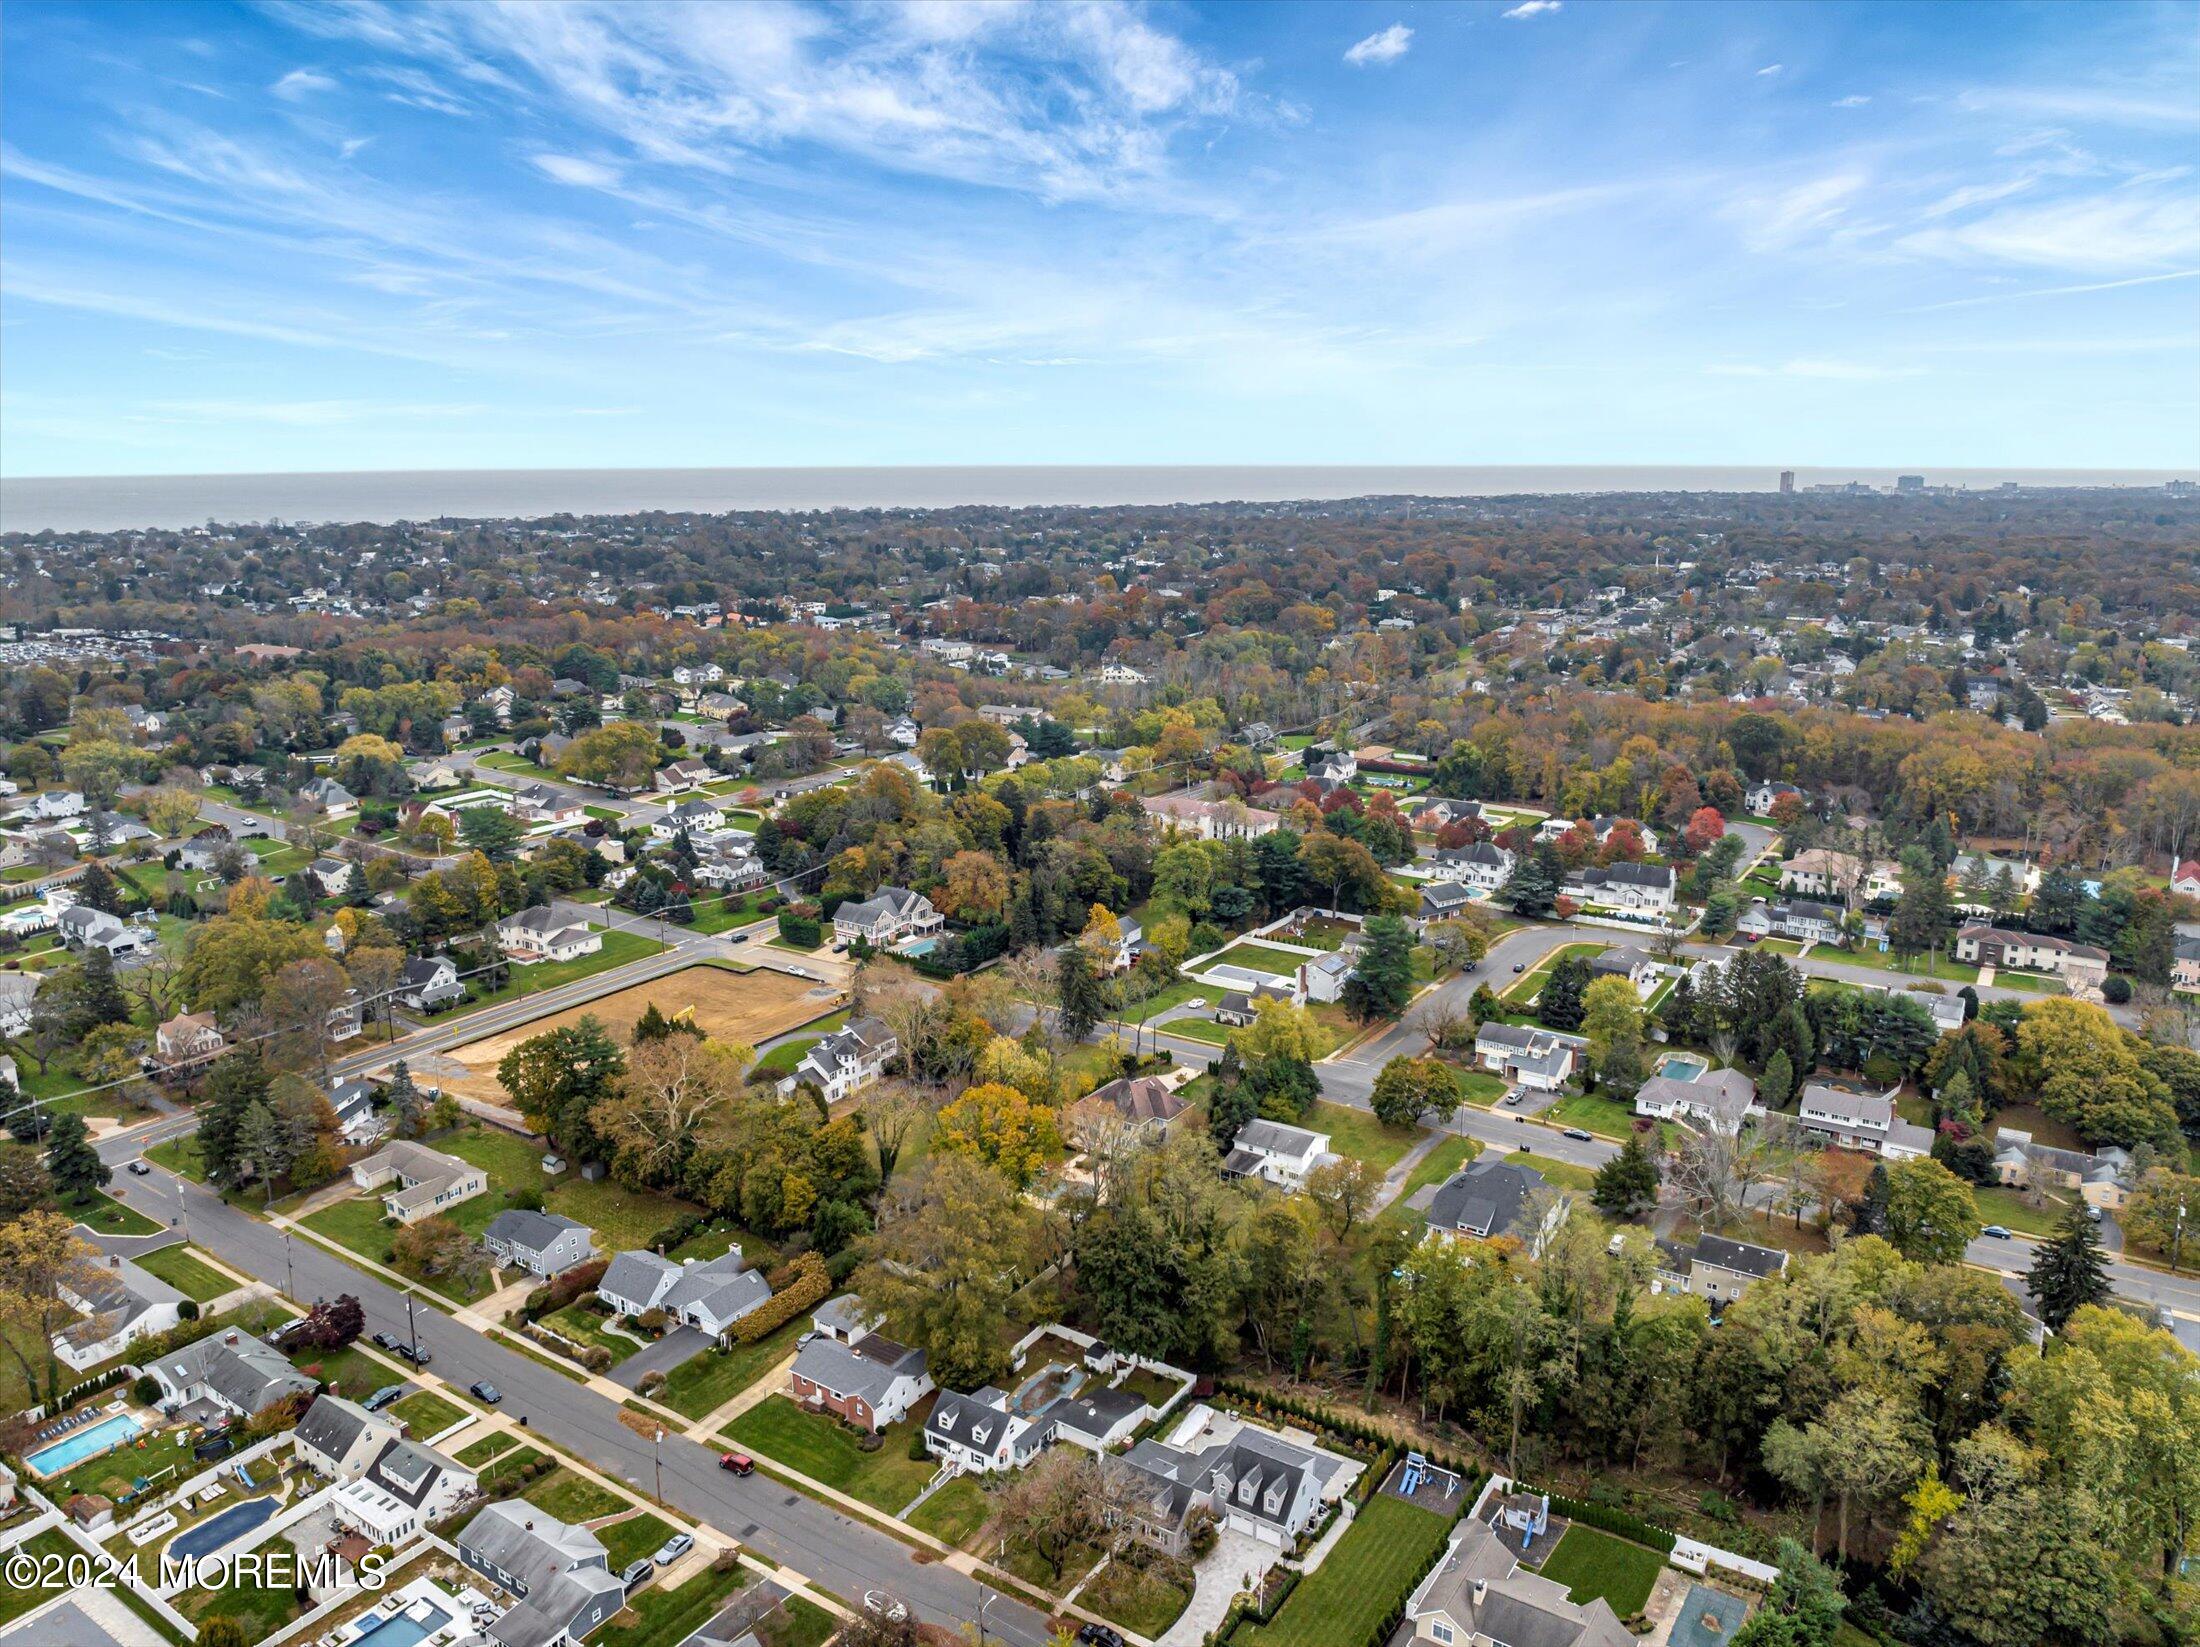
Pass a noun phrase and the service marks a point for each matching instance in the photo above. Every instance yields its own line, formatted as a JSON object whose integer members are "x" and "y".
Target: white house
{"x": 1478, "y": 1596}
{"x": 692, "y": 817}
{"x": 429, "y": 982}
{"x": 1647, "y": 887}
{"x": 339, "y": 1438}
{"x": 1719, "y": 1099}
{"x": 1230, "y": 820}
{"x": 981, "y": 1433}
{"x": 1765, "y": 796}
{"x": 1278, "y": 1154}
{"x": 121, "y": 1304}
{"x": 543, "y": 935}
{"x": 846, "y": 1061}
{"x": 561, "y": 1574}
{"x": 1484, "y": 865}
{"x": 675, "y": 777}
{"x": 543, "y": 803}
{"x": 231, "y": 1370}
{"x": 1861, "y": 1121}
{"x": 1541, "y": 1059}
{"x": 1802, "y": 919}
{"x": 406, "y": 1488}
{"x": 83, "y": 927}
{"x": 2082, "y": 965}
{"x": 427, "y": 1180}
{"x": 889, "y": 914}
{"x": 1819, "y": 872}
{"x": 1323, "y": 978}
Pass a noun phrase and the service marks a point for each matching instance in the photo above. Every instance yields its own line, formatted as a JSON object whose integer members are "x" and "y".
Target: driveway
{"x": 1216, "y": 1582}
{"x": 664, "y": 1355}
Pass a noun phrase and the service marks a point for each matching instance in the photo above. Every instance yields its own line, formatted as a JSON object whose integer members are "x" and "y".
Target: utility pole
{"x": 657, "y": 1454}
{"x": 2177, "y": 1239}
{"x": 412, "y": 1332}
{"x": 290, "y": 1279}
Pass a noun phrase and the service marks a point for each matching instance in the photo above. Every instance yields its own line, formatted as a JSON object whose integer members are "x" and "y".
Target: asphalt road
{"x": 835, "y": 1551}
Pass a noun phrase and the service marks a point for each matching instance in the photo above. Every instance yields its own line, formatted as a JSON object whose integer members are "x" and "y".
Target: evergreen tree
{"x": 1923, "y": 916}
{"x": 1232, "y": 1104}
{"x": 98, "y": 889}
{"x": 237, "y": 1086}
{"x": 1870, "y": 1214}
{"x": 2069, "y": 1271}
{"x": 1083, "y": 1002}
{"x": 1533, "y": 887}
{"x": 1627, "y": 1185}
{"x": 97, "y": 998}
{"x": 1559, "y": 1005}
{"x": 73, "y": 1161}
{"x": 1483, "y": 1005}
{"x": 1791, "y": 1034}
{"x": 1777, "y": 1085}
{"x": 1381, "y": 984}
{"x": 405, "y": 1101}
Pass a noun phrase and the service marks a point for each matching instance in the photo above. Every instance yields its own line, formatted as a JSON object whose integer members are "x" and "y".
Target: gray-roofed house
{"x": 846, "y": 1061}
{"x": 1719, "y": 1099}
{"x": 1718, "y": 1269}
{"x": 634, "y": 1283}
{"x": 979, "y": 1433}
{"x": 711, "y": 1297}
{"x": 122, "y": 1303}
{"x": 1278, "y": 1154}
{"x": 1631, "y": 886}
{"x": 340, "y": 1438}
{"x": 890, "y": 913}
{"x": 1484, "y": 864}
{"x": 83, "y": 927}
{"x": 1494, "y": 1197}
{"x": 407, "y": 1486}
{"x": 870, "y": 1383}
{"x": 430, "y": 982}
{"x": 544, "y": 935}
{"x": 1096, "y": 1418}
{"x": 1254, "y": 1481}
{"x": 1537, "y": 1058}
{"x": 1861, "y": 1121}
{"x": 1441, "y": 900}
{"x": 560, "y": 1573}
{"x": 330, "y": 796}
{"x": 542, "y": 1243}
{"x": 236, "y": 1373}
{"x": 427, "y": 1181}
{"x": 1479, "y": 1594}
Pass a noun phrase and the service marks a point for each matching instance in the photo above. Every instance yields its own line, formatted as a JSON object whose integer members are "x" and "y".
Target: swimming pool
{"x": 1681, "y": 1066}
{"x": 918, "y": 946}
{"x": 405, "y": 1630}
{"x": 89, "y": 1442}
{"x": 232, "y": 1524}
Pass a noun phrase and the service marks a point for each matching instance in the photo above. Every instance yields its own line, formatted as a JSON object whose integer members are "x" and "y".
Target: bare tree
{"x": 1346, "y": 1190}
{"x": 890, "y": 1110}
{"x": 1713, "y": 1171}
{"x": 1036, "y": 977}
{"x": 1445, "y": 1020}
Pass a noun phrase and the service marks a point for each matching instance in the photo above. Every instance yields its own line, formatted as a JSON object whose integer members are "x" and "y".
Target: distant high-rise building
{"x": 1787, "y": 480}
{"x": 1909, "y": 483}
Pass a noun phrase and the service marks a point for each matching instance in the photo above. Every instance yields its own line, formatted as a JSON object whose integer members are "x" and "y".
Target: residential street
{"x": 834, "y": 1551}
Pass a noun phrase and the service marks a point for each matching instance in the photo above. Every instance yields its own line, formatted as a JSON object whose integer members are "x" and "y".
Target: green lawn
{"x": 350, "y": 1371}
{"x": 587, "y": 1327}
{"x": 824, "y": 1450}
{"x": 1356, "y": 1132}
{"x": 166, "y": 1457}
{"x": 1479, "y": 1087}
{"x": 495, "y": 1465}
{"x": 801, "y": 1624}
{"x": 618, "y": 949}
{"x": 180, "y": 1156}
{"x": 1594, "y": 1112}
{"x": 622, "y": 1218}
{"x": 107, "y": 1216}
{"x": 638, "y": 1535}
{"x": 1175, "y": 994}
{"x": 783, "y": 1058}
{"x": 426, "y": 1414}
{"x": 1440, "y": 1163}
{"x": 709, "y": 1380}
{"x": 665, "y": 1618}
{"x": 1198, "y": 1029}
{"x": 1252, "y": 957}
{"x": 1592, "y": 1563}
{"x": 740, "y": 910}
{"x": 954, "y": 1513}
{"x": 358, "y": 1226}
{"x": 1372, "y": 1570}
{"x": 1524, "y": 990}
{"x": 1998, "y": 1204}
{"x": 1937, "y": 966}
{"x": 260, "y": 1611}
{"x": 184, "y": 1270}
{"x": 18, "y": 1598}
{"x": 573, "y": 1497}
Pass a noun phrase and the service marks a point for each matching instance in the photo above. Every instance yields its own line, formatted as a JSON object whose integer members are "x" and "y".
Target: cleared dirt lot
{"x": 730, "y": 1006}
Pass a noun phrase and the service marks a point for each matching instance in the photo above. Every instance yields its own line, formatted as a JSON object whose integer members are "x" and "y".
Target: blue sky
{"x": 360, "y": 235}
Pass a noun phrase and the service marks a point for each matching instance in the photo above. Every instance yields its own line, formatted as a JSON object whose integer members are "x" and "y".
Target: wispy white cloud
{"x": 569, "y": 168}
{"x": 300, "y": 84}
{"x": 1383, "y": 46}
{"x": 1855, "y": 100}
{"x": 1532, "y": 8}
{"x": 2114, "y": 233}
{"x": 1771, "y": 69}
{"x": 1831, "y": 371}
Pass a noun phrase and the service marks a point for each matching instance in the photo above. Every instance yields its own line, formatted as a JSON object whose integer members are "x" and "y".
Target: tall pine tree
{"x": 237, "y": 1086}
{"x": 2069, "y": 1271}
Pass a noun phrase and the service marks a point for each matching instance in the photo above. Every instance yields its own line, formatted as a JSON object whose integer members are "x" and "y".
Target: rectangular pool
{"x": 404, "y": 1630}
{"x": 1681, "y": 1066}
{"x": 89, "y": 1442}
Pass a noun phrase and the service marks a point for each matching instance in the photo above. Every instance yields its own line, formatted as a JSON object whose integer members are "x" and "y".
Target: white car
{"x": 884, "y": 1606}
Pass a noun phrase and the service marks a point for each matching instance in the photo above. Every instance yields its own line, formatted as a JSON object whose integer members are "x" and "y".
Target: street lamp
{"x": 2177, "y": 1239}
{"x": 290, "y": 1279}
{"x": 657, "y": 1455}
{"x": 184, "y": 1207}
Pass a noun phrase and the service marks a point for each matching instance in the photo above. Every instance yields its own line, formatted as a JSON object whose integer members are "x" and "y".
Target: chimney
{"x": 1481, "y": 1589}
{"x": 229, "y": 1338}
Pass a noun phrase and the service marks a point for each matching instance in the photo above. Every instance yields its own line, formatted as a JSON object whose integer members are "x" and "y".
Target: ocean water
{"x": 116, "y": 502}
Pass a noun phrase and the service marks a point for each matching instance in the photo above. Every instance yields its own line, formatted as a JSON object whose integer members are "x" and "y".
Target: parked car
{"x": 884, "y": 1605}
{"x": 1998, "y": 1231}
{"x": 638, "y": 1572}
{"x": 483, "y": 1390}
{"x": 417, "y": 1354}
{"x": 1098, "y": 1635}
{"x": 1578, "y": 1134}
{"x": 738, "y": 1463}
{"x": 672, "y": 1549}
{"x": 382, "y": 1397}
{"x": 387, "y": 1341}
{"x": 138, "y": 1169}
{"x": 1514, "y": 1096}
{"x": 1520, "y": 966}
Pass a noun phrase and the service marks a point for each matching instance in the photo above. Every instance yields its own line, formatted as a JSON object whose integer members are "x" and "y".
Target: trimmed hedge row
{"x": 1606, "y": 1519}
{"x": 807, "y": 1289}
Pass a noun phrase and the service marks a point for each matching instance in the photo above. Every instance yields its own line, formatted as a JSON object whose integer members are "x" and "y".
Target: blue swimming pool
{"x": 232, "y": 1524}
{"x": 1681, "y": 1066}
{"x": 404, "y": 1630}
{"x": 918, "y": 946}
{"x": 89, "y": 1442}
